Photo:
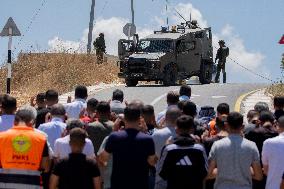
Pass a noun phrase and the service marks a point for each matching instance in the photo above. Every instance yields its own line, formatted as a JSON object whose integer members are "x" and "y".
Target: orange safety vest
{"x": 21, "y": 147}
{"x": 212, "y": 128}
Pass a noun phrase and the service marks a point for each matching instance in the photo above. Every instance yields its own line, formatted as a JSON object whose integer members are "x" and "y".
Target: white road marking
{"x": 219, "y": 97}
{"x": 156, "y": 100}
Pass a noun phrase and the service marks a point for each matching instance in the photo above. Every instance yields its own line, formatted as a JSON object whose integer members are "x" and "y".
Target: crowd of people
{"x": 92, "y": 144}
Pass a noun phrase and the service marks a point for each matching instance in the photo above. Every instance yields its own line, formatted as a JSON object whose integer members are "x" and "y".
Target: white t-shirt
{"x": 272, "y": 155}
{"x": 62, "y": 148}
{"x": 74, "y": 109}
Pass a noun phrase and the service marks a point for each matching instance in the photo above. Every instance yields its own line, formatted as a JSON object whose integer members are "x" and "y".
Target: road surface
{"x": 202, "y": 95}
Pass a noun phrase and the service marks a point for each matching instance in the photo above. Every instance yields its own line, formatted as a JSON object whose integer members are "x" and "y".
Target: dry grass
{"x": 276, "y": 89}
{"x": 34, "y": 73}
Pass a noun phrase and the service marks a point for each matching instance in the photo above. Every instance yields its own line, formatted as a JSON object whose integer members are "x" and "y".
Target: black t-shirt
{"x": 278, "y": 114}
{"x": 76, "y": 172}
{"x": 260, "y": 134}
{"x": 130, "y": 149}
{"x": 40, "y": 118}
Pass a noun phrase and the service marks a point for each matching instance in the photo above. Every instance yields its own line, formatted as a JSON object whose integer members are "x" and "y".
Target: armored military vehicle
{"x": 168, "y": 55}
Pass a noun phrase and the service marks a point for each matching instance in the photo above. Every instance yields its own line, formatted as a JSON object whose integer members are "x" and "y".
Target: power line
{"x": 43, "y": 3}
{"x": 249, "y": 70}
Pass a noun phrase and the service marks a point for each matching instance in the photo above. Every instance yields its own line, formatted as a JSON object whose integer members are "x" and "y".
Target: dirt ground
{"x": 34, "y": 73}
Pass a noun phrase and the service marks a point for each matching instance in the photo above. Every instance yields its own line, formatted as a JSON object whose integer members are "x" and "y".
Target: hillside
{"x": 34, "y": 73}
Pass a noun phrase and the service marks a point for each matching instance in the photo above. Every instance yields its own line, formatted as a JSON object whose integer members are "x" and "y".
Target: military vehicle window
{"x": 184, "y": 47}
{"x": 199, "y": 35}
{"x": 155, "y": 46}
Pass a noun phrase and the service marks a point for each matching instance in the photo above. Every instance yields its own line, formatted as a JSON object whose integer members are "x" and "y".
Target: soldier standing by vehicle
{"x": 100, "y": 47}
{"x": 222, "y": 54}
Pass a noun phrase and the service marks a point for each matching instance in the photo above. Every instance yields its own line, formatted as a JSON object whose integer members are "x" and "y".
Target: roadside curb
{"x": 238, "y": 104}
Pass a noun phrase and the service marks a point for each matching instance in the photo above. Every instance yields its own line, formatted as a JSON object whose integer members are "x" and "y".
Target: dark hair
{"x": 223, "y": 108}
{"x": 279, "y": 101}
{"x": 281, "y": 122}
{"x": 40, "y": 97}
{"x": 78, "y": 136}
{"x": 92, "y": 104}
{"x": 9, "y": 104}
{"x": 51, "y": 95}
{"x": 25, "y": 116}
{"x": 185, "y": 123}
{"x": 252, "y": 113}
{"x": 261, "y": 106}
{"x": 103, "y": 107}
{"x": 57, "y": 110}
{"x": 81, "y": 91}
{"x": 148, "y": 110}
{"x": 132, "y": 112}
{"x": 172, "y": 98}
{"x": 172, "y": 114}
{"x": 118, "y": 95}
{"x": 266, "y": 116}
{"x": 76, "y": 123}
{"x": 235, "y": 120}
{"x": 185, "y": 90}
{"x": 189, "y": 108}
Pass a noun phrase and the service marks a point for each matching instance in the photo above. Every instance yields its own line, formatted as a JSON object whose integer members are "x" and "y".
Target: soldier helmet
{"x": 101, "y": 35}
{"x": 194, "y": 22}
{"x": 222, "y": 42}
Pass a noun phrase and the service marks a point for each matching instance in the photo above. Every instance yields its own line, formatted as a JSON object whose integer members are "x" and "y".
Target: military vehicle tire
{"x": 170, "y": 75}
{"x": 205, "y": 76}
{"x": 131, "y": 82}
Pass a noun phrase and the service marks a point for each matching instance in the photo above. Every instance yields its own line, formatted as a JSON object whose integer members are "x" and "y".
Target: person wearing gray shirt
{"x": 234, "y": 156}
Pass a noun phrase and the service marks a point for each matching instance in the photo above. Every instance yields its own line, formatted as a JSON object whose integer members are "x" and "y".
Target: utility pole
{"x": 91, "y": 26}
{"x": 132, "y": 11}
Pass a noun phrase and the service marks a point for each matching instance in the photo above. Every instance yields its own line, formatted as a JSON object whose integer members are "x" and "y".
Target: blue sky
{"x": 251, "y": 28}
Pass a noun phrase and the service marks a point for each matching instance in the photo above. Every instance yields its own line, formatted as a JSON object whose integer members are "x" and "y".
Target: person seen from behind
{"x": 23, "y": 153}
{"x": 8, "y": 110}
{"x": 278, "y": 103}
{"x": 74, "y": 108}
{"x": 222, "y": 109}
{"x": 272, "y": 157}
{"x": 62, "y": 148}
{"x": 133, "y": 152}
{"x": 236, "y": 158}
{"x": 76, "y": 171}
{"x": 101, "y": 128}
{"x": 184, "y": 163}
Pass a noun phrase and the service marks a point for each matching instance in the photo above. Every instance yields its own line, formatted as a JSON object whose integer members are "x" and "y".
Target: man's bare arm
{"x": 54, "y": 180}
{"x": 152, "y": 160}
{"x": 212, "y": 171}
{"x": 104, "y": 157}
{"x": 97, "y": 182}
{"x": 257, "y": 171}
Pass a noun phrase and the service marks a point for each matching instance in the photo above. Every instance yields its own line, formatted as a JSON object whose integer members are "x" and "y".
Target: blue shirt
{"x": 6, "y": 122}
{"x": 161, "y": 116}
{"x": 130, "y": 149}
{"x": 53, "y": 129}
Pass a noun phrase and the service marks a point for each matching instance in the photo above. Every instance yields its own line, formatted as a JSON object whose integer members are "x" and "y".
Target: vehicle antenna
{"x": 180, "y": 15}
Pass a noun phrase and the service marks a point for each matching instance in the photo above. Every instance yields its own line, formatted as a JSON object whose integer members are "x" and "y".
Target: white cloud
{"x": 187, "y": 10}
{"x": 240, "y": 54}
{"x": 112, "y": 28}
{"x": 238, "y": 51}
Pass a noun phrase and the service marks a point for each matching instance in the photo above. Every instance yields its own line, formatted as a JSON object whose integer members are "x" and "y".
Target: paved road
{"x": 212, "y": 94}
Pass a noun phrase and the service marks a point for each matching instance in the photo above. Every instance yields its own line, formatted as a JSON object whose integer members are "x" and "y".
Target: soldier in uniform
{"x": 100, "y": 47}
{"x": 222, "y": 54}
